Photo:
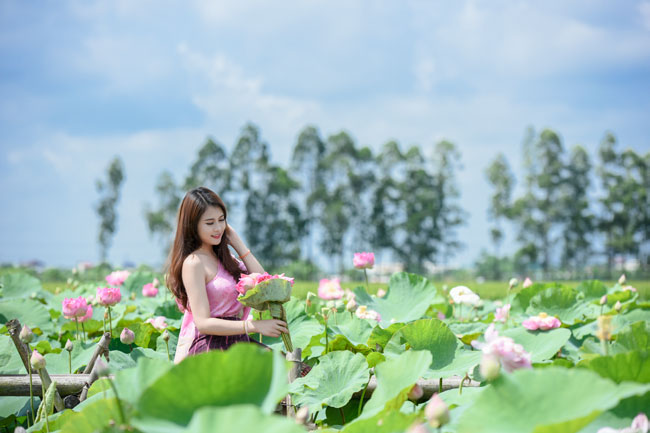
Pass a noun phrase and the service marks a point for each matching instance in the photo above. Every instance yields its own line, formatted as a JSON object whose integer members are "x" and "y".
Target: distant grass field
{"x": 486, "y": 290}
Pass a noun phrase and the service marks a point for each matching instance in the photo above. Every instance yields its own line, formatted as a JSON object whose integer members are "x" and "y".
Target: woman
{"x": 203, "y": 274}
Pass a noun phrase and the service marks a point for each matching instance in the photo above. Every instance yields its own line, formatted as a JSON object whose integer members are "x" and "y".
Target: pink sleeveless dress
{"x": 222, "y": 297}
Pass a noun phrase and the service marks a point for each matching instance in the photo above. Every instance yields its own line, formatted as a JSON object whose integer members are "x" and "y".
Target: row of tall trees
{"x": 569, "y": 208}
{"x": 335, "y": 197}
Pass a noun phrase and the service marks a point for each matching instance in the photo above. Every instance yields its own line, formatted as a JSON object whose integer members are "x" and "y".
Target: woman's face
{"x": 212, "y": 226}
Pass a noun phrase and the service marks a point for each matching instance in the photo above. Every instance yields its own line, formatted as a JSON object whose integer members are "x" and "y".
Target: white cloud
{"x": 644, "y": 9}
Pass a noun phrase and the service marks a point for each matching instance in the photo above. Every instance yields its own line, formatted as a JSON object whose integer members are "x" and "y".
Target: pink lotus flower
{"x": 542, "y": 321}
{"x": 363, "y": 260}
{"x": 158, "y": 322}
{"x": 330, "y": 289}
{"x": 74, "y": 307}
{"x": 415, "y": 393}
{"x": 463, "y": 295}
{"x": 247, "y": 282}
{"x": 149, "y": 290}
{"x": 630, "y": 288}
{"x": 512, "y": 356}
{"x": 381, "y": 293}
{"x": 88, "y": 315}
{"x": 117, "y": 278}
{"x": 527, "y": 283}
{"x": 502, "y": 314}
{"x": 363, "y": 312}
{"x": 640, "y": 424}
{"x": 108, "y": 296}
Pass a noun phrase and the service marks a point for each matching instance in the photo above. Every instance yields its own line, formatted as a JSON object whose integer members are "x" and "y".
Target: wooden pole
{"x": 429, "y": 386}
{"x": 18, "y": 384}
{"x": 13, "y": 326}
{"x": 101, "y": 348}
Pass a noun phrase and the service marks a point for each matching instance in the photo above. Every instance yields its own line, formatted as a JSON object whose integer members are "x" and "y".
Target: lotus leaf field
{"x": 586, "y": 374}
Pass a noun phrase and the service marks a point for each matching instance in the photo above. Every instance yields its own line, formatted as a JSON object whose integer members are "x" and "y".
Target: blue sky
{"x": 82, "y": 81}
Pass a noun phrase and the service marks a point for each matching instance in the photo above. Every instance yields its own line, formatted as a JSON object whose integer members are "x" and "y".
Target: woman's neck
{"x": 207, "y": 249}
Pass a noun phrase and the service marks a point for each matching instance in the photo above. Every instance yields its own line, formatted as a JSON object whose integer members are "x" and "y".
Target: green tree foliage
{"x": 210, "y": 169}
{"x": 502, "y": 180}
{"x": 578, "y": 220}
{"x": 109, "y": 191}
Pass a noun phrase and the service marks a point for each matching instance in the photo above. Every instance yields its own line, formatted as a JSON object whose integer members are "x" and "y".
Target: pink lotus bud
{"x": 330, "y": 289}
{"x": 527, "y": 283}
{"x": 441, "y": 315}
{"x": 26, "y": 335}
{"x": 415, "y": 393}
{"x": 502, "y": 314}
{"x": 436, "y": 411}
{"x": 156, "y": 283}
{"x": 640, "y": 423}
{"x": 622, "y": 279}
{"x": 603, "y": 300}
{"x": 165, "y": 335}
{"x": 364, "y": 260}
{"x": 381, "y": 293}
{"x": 101, "y": 368}
{"x": 418, "y": 427}
{"x": 127, "y": 336}
{"x": 618, "y": 306}
{"x": 149, "y": 290}
{"x": 108, "y": 296}
{"x": 69, "y": 345}
{"x": 489, "y": 367}
{"x": 513, "y": 283}
{"x": 37, "y": 360}
{"x": 88, "y": 315}
{"x": 351, "y": 305}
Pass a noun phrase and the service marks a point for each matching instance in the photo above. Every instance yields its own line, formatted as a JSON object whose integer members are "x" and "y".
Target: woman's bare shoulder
{"x": 193, "y": 262}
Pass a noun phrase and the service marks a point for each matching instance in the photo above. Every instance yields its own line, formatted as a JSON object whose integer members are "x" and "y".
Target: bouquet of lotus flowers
{"x": 267, "y": 292}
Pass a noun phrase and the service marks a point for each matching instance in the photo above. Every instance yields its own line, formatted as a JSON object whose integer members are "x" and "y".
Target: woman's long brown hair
{"x": 187, "y": 240}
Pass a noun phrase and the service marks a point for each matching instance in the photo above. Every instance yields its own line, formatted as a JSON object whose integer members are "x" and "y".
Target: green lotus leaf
{"x": 561, "y": 302}
{"x": 136, "y": 280}
{"x": 541, "y": 345}
{"x": 522, "y": 299}
{"x": 10, "y": 362}
{"x": 357, "y": 331}
{"x": 630, "y": 366}
{"x": 407, "y": 299}
{"x": 619, "y": 322}
{"x": 243, "y": 374}
{"x": 463, "y": 362}
{"x": 381, "y": 336}
{"x": 302, "y": 327}
{"x": 432, "y": 335}
{"x": 266, "y": 292}
{"x": 383, "y": 422}
{"x": 553, "y": 399}
{"x": 20, "y": 285}
{"x": 332, "y": 382}
{"x": 592, "y": 289}
{"x": 28, "y": 311}
{"x": 636, "y": 336}
{"x": 394, "y": 380}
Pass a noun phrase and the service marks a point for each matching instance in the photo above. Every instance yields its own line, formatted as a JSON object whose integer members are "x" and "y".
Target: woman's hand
{"x": 233, "y": 239}
{"x": 268, "y": 328}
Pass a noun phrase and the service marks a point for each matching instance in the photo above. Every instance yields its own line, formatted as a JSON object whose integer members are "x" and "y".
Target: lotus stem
{"x": 365, "y": 273}
{"x": 117, "y": 399}
{"x": 167, "y": 345}
{"x": 76, "y": 321}
{"x": 31, "y": 392}
{"x": 47, "y": 421}
{"x": 110, "y": 321}
{"x": 69, "y": 362}
{"x": 363, "y": 394}
{"x": 83, "y": 332}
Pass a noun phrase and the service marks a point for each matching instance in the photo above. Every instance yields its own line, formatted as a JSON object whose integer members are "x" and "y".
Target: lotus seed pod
{"x": 165, "y": 335}
{"x": 127, "y": 336}
{"x": 603, "y": 300}
{"x": 415, "y": 393}
{"x": 618, "y": 306}
{"x": 37, "y": 360}
{"x": 26, "y": 335}
{"x": 69, "y": 345}
{"x": 622, "y": 279}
